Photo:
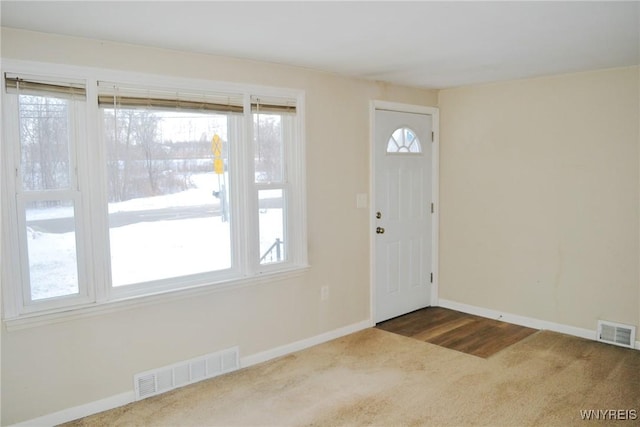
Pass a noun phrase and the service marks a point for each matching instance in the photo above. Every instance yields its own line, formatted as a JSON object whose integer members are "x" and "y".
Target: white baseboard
{"x": 522, "y": 320}
{"x": 81, "y": 411}
{"x": 302, "y": 344}
{"x": 518, "y": 320}
{"x": 122, "y": 399}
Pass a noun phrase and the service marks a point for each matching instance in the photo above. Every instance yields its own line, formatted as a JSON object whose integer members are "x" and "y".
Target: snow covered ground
{"x": 146, "y": 251}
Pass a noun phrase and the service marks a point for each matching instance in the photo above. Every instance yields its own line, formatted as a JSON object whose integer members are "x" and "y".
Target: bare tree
{"x": 44, "y": 139}
{"x": 268, "y": 147}
{"x": 118, "y": 134}
{"x": 132, "y": 142}
{"x": 146, "y": 135}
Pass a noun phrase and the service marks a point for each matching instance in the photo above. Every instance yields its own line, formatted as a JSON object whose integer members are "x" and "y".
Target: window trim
{"x": 102, "y": 296}
{"x": 30, "y": 320}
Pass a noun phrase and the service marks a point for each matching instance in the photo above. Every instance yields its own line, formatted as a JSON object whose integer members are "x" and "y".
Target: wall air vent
{"x": 160, "y": 380}
{"x": 616, "y": 333}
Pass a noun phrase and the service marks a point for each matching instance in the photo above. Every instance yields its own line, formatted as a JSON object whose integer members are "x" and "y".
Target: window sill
{"x": 72, "y": 313}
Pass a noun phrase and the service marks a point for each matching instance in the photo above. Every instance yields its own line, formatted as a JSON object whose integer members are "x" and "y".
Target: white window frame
{"x": 16, "y": 212}
{"x": 235, "y": 271}
{"x": 289, "y": 186}
{"x": 92, "y": 233}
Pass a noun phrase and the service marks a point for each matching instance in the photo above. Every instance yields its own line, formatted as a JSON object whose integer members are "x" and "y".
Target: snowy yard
{"x": 146, "y": 250}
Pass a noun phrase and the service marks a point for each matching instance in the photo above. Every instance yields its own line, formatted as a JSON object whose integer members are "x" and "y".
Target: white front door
{"x": 402, "y": 209}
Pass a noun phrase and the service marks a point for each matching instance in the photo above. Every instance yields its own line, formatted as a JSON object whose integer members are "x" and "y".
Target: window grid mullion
{"x": 12, "y": 273}
{"x": 90, "y": 173}
{"x": 240, "y": 204}
{"x": 250, "y": 218}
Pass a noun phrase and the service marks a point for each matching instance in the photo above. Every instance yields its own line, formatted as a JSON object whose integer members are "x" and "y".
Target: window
{"x": 177, "y": 186}
{"x": 273, "y": 125}
{"x": 404, "y": 140}
{"x": 45, "y": 130}
{"x": 168, "y": 181}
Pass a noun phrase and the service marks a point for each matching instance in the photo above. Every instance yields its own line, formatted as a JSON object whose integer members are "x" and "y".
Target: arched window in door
{"x": 404, "y": 140}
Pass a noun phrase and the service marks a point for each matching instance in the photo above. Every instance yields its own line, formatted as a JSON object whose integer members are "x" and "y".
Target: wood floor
{"x": 458, "y": 331}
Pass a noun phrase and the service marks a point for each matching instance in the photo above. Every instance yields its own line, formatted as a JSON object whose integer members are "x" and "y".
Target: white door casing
{"x": 404, "y": 241}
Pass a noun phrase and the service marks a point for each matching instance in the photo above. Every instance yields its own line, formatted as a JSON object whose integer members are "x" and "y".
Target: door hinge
{"x": 433, "y": 137}
{"x": 431, "y": 278}
{"x": 432, "y": 208}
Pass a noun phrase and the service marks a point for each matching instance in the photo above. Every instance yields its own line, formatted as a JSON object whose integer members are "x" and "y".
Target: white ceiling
{"x": 418, "y": 43}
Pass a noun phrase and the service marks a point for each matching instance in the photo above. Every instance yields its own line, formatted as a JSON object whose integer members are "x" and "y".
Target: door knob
{"x": 380, "y": 230}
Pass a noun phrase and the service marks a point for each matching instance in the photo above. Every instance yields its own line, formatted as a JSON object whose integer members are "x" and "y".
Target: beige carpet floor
{"x": 376, "y": 378}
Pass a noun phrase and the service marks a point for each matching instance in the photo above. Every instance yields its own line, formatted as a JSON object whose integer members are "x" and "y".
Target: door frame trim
{"x": 434, "y": 112}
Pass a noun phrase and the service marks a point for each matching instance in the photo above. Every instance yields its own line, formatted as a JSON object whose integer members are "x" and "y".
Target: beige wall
{"x": 539, "y": 197}
{"x": 47, "y": 369}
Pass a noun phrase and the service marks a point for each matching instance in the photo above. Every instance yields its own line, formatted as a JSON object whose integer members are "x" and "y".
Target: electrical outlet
{"x": 324, "y": 293}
